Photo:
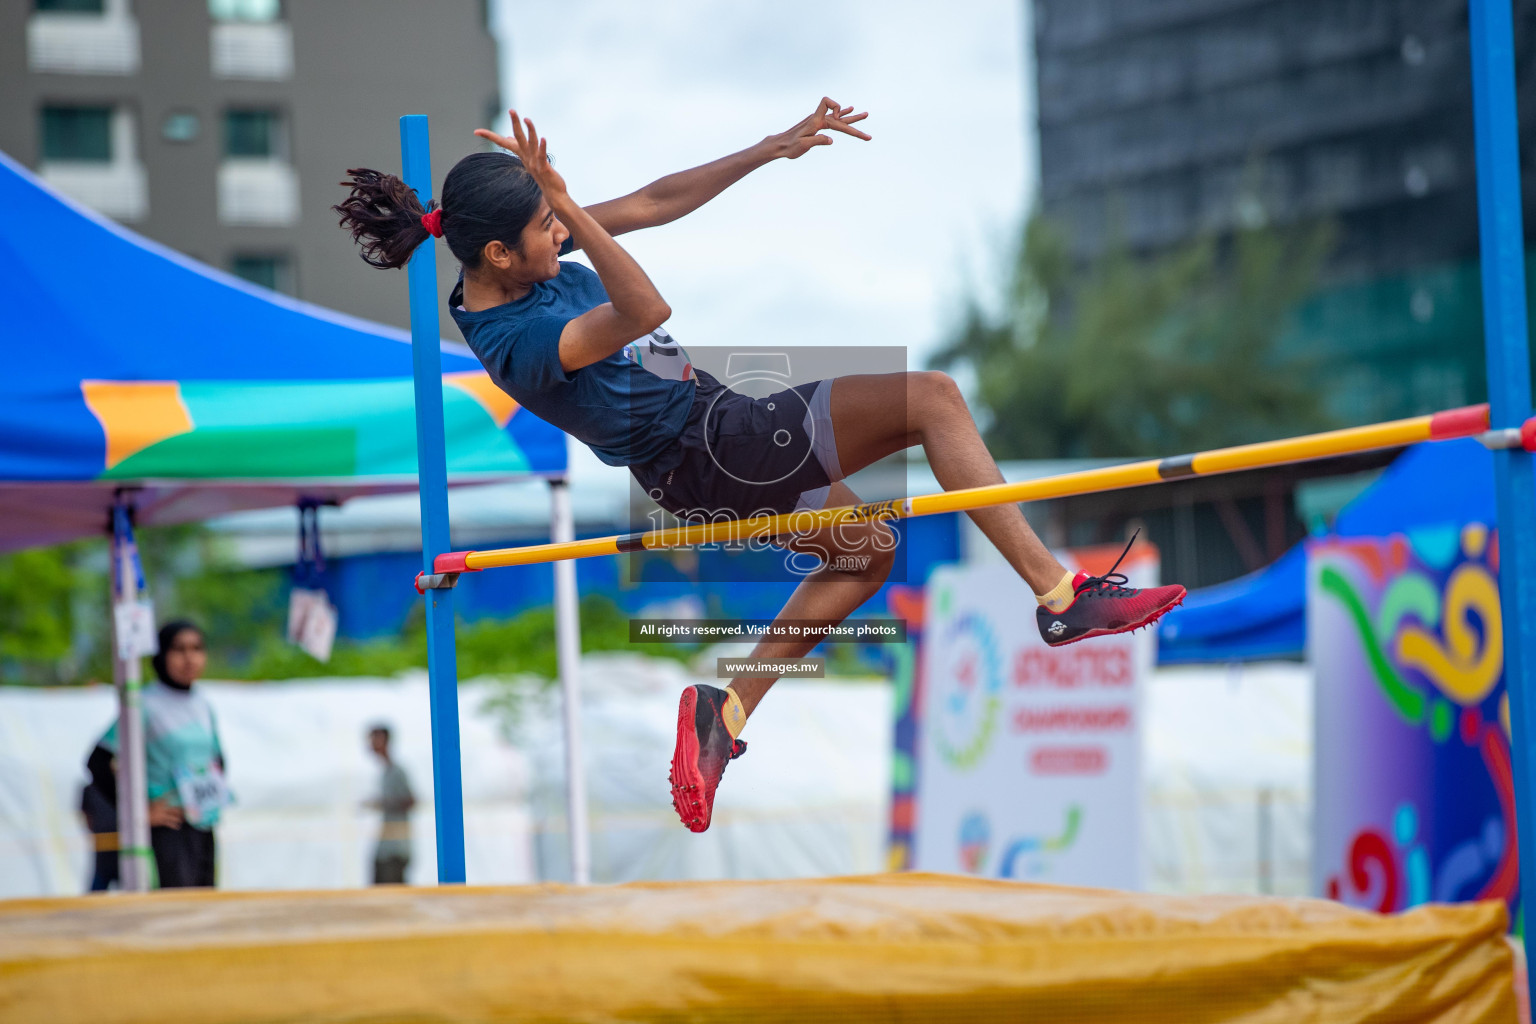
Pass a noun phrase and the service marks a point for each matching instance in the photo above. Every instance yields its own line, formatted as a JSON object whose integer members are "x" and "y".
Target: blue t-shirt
{"x": 623, "y": 412}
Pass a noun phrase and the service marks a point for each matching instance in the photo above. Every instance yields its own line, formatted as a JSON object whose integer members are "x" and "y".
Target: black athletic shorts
{"x": 741, "y": 456}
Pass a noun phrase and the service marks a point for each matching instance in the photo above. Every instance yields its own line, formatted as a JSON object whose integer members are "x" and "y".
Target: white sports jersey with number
{"x": 661, "y": 355}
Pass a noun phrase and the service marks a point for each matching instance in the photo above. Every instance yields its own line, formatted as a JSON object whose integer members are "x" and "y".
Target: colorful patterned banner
{"x": 1414, "y": 788}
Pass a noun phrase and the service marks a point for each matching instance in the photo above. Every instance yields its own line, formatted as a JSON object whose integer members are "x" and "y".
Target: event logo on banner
{"x": 964, "y": 724}
{"x": 1415, "y": 791}
{"x": 1028, "y": 756}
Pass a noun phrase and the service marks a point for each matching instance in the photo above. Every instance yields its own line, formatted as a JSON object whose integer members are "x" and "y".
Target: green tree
{"x": 42, "y": 595}
{"x": 193, "y": 573}
{"x": 1133, "y": 356}
{"x": 55, "y": 607}
{"x": 55, "y": 604}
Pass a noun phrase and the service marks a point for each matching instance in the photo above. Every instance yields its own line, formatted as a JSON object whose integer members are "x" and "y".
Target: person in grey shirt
{"x": 393, "y": 854}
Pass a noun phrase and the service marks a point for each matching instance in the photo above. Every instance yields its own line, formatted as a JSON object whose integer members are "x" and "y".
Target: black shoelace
{"x": 1112, "y": 581}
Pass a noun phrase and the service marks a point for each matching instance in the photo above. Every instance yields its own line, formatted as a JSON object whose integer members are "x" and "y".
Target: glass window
{"x": 273, "y": 272}
{"x": 73, "y": 6}
{"x": 245, "y": 10}
{"x": 77, "y": 133}
{"x": 252, "y": 133}
{"x": 180, "y": 126}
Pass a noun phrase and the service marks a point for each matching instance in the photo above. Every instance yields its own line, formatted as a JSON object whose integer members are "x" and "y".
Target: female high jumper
{"x": 553, "y": 334}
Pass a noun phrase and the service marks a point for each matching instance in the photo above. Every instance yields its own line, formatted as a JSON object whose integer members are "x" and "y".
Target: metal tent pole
{"x": 432, "y": 470}
{"x": 1507, "y": 340}
{"x": 568, "y": 652}
{"x": 134, "y": 853}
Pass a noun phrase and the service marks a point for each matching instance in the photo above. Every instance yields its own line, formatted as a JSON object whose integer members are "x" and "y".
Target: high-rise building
{"x": 221, "y": 128}
{"x": 1161, "y": 120}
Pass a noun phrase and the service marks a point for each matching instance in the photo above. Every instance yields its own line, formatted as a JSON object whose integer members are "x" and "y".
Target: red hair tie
{"x": 433, "y": 222}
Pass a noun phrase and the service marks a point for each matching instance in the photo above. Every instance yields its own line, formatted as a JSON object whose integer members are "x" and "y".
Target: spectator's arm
{"x": 103, "y": 774}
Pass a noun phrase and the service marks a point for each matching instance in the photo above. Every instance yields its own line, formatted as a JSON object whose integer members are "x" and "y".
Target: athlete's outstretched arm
{"x": 666, "y": 199}
{"x": 634, "y": 307}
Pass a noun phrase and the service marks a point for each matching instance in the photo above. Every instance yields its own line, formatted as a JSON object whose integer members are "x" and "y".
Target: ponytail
{"x": 486, "y": 197}
{"x": 384, "y": 215}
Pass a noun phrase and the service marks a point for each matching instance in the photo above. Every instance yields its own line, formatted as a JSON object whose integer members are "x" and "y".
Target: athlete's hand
{"x": 829, "y": 116}
{"x": 532, "y": 150}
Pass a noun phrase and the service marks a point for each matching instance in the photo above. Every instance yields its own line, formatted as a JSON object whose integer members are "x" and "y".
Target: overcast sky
{"x": 854, "y": 243}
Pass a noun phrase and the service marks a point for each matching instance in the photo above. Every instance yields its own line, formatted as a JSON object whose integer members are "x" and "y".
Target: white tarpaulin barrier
{"x": 808, "y": 798}
{"x": 1227, "y": 778}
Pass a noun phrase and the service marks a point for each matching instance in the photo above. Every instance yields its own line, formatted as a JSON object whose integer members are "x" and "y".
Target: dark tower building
{"x": 1161, "y": 120}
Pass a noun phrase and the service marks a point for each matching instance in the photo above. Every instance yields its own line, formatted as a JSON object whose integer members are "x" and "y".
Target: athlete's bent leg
{"x": 875, "y": 415}
{"x": 878, "y": 414}
{"x": 856, "y": 559}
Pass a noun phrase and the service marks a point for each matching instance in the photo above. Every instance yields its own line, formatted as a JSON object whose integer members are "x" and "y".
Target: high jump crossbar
{"x": 1469, "y": 421}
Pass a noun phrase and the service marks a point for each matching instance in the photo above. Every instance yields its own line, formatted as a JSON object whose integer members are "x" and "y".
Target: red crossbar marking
{"x": 453, "y": 561}
{"x": 1458, "y": 422}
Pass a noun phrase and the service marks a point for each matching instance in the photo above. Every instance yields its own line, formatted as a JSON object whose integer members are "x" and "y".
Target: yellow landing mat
{"x": 896, "y": 947}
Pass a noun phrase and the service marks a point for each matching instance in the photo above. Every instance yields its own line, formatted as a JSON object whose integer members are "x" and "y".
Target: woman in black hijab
{"x": 184, "y": 765}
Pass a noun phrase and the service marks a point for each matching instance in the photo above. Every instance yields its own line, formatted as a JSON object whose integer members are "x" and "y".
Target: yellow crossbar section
{"x": 1352, "y": 440}
{"x": 914, "y": 948}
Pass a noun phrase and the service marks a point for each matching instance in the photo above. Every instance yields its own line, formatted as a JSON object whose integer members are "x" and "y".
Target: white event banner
{"x": 1029, "y": 756}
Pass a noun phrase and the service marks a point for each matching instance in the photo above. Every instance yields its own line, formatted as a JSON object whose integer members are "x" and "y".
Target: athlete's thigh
{"x": 870, "y": 417}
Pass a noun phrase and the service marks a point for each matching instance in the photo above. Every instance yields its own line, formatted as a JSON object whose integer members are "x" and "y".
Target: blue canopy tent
{"x": 135, "y": 376}
{"x": 130, "y": 365}
{"x": 1263, "y": 614}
